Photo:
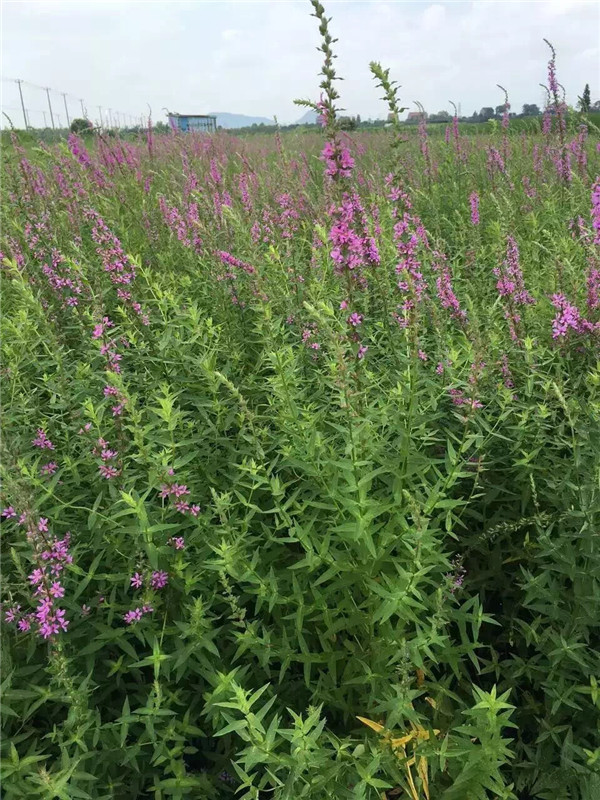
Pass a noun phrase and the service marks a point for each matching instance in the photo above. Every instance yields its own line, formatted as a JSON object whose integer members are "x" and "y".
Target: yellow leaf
{"x": 411, "y": 783}
{"x": 422, "y": 770}
{"x": 403, "y": 740}
{"x": 431, "y": 702}
{"x": 375, "y": 726}
{"x": 421, "y": 733}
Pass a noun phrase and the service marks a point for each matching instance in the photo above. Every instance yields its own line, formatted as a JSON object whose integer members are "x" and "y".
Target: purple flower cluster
{"x": 42, "y": 441}
{"x": 232, "y": 261}
{"x": 136, "y": 614}
{"x": 474, "y": 201}
{"x": 78, "y": 149}
{"x": 112, "y": 255}
{"x": 409, "y": 236}
{"x": 495, "y": 163}
{"x": 308, "y": 338}
{"x": 51, "y": 557}
{"x": 177, "y": 492}
{"x": 63, "y": 281}
{"x": 353, "y": 247}
{"x": 511, "y": 286}
{"x": 595, "y": 212}
{"x": 338, "y": 161}
{"x": 459, "y": 399}
{"x": 106, "y": 469}
{"x": 510, "y": 277}
{"x": 49, "y": 468}
{"x": 185, "y": 228}
{"x": 569, "y": 318}
{"x": 457, "y": 576}
{"x": 445, "y": 289}
{"x": 156, "y": 580}
{"x": 112, "y": 391}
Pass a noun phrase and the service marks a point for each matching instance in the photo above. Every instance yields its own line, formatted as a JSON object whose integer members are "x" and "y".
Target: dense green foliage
{"x": 351, "y": 421}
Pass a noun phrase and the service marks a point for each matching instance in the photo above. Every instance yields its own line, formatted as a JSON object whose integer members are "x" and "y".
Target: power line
{"x": 118, "y": 119}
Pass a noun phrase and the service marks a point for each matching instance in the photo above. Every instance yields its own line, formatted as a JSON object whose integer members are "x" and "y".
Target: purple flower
{"x": 232, "y": 261}
{"x": 474, "y": 201}
{"x": 445, "y": 290}
{"x": 133, "y": 616}
{"x": 12, "y": 614}
{"x": 595, "y": 213}
{"x": 355, "y": 319}
{"x": 57, "y": 590}
{"x": 36, "y": 577}
{"x": 568, "y": 316}
{"x": 136, "y": 580}
{"x": 337, "y": 158}
{"x": 49, "y": 468}
{"x": 42, "y": 441}
{"x": 178, "y": 542}
{"x": 9, "y": 512}
{"x": 107, "y": 471}
{"x": 159, "y": 580}
{"x": 107, "y": 454}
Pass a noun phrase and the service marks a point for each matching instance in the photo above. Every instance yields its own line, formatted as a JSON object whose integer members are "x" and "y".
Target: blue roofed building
{"x": 192, "y": 123}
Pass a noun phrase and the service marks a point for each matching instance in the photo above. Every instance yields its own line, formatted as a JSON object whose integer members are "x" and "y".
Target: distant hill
{"x": 308, "y": 118}
{"x": 227, "y": 120}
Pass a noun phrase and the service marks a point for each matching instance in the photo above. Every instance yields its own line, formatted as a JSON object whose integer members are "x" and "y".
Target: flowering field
{"x": 300, "y": 464}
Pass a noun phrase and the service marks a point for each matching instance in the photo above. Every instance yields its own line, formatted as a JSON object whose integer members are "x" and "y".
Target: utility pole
{"x": 19, "y": 82}
{"x": 100, "y": 112}
{"x": 110, "y": 122}
{"x": 82, "y": 108}
{"x": 45, "y": 124}
{"x": 58, "y": 118}
{"x": 66, "y": 110}
{"x": 50, "y": 107}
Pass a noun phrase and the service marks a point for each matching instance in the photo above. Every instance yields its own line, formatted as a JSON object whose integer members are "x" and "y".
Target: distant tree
{"x": 531, "y": 110}
{"x": 441, "y": 116}
{"x": 501, "y": 109}
{"x": 161, "y": 127}
{"x": 585, "y": 101}
{"x": 358, "y": 119}
{"x": 487, "y": 112}
{"x": 347, "y": 123}
{"x": 81, "y": 126}
{"x": 595, "y": 106}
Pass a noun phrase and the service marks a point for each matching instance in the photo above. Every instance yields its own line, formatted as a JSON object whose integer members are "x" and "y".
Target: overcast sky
{"x": 257, "y": 57}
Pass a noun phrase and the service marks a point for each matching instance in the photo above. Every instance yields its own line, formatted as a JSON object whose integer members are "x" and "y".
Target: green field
{"x": 301, "y": 482}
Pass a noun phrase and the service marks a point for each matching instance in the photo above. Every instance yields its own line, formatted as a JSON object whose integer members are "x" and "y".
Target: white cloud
{"x": 257, "y": 57}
